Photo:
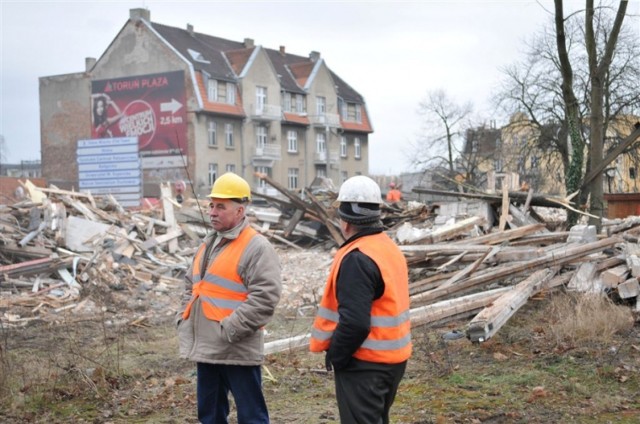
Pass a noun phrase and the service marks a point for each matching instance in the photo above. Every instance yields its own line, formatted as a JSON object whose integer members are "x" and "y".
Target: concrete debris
{"x": 66, "y": 254}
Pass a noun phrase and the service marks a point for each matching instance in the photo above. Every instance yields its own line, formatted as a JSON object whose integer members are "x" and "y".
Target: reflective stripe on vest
{"x": 389, "y": 339}
{"x": 221, "y": 289}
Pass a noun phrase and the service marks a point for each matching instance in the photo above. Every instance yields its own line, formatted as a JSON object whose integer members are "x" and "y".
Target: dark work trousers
{"x": 365, "y": 391}
{"x": 245, "y": 383}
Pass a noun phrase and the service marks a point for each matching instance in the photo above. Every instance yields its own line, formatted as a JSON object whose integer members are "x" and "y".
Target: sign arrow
{"x": 173, "y": 106}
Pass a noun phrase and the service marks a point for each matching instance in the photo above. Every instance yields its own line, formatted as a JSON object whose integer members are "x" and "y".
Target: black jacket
{"x": 359, "y": 283}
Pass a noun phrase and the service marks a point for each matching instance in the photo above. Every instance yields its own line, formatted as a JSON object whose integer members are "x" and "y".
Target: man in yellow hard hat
{"x": 232, "y": 290}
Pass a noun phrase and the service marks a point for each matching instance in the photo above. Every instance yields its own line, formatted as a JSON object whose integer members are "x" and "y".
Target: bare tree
{"x": 554, "y": 86}
{"x": 445, "y": 123}
{"x": 599, "y": 66}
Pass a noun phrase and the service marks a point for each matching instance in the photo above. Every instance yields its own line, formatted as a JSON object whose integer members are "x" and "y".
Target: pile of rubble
{"x": 65, "y": 253}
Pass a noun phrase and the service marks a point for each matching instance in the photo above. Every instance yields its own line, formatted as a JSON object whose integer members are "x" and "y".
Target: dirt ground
{"x": 118, "y": 364}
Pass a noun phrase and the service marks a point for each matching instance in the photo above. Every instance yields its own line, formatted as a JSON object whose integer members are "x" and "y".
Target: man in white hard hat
{"x": 363, "y": 320}
{"x": 232, "y": 289}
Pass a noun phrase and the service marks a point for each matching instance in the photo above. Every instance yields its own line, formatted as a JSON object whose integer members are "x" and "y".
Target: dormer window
{"x": 197, "y": 56}
{"x": 212, "y": 90}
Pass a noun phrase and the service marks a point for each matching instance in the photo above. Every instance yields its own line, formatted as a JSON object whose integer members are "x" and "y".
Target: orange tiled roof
{"x": 301, "y": 72}
{"x": 364, "y": 126}
{"x": 223, "y": 108}
{"x": 238, "y": 58}
{"x": 295, "y": 118}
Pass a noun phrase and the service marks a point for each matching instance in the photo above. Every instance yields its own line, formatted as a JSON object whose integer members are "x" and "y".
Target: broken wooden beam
{"x": 553, "y": 258}
{"x": 494, "y": 316}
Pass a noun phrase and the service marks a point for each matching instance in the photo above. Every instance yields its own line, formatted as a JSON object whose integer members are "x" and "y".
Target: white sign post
{"x": 111, "y": 166}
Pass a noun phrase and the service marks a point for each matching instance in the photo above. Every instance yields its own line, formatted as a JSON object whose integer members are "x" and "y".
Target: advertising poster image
{"x": 150, "y": 107}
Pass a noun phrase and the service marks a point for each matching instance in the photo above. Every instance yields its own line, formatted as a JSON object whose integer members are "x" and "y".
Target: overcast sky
{"x": 392, "y": 53}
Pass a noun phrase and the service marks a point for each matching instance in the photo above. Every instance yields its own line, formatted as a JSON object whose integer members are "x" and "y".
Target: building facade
{"x": 200, "y": 106}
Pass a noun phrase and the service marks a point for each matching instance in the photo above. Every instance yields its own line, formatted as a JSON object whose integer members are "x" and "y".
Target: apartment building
{"x": 198, "y": 106}
{"x": 523, "y": 148}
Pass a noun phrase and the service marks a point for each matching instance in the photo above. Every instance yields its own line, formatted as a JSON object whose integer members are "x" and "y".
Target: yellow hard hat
{"x": 231, "y": 186}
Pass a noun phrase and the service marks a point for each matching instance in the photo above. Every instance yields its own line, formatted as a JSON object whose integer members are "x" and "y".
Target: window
{"x": 356, "y": 144}
{"x": 213, "y": 139}
{"x": 292, "y": 179}
{"x": 321, "y": 106}
{"x": 213, "y": 173}
{"x": 632, "y": 173}
{"x": 358, "y": 113}
{"x": 231, "y": 93}
{"x": 197, "y": 56}
{"x": 263, "y": 170}
{"x": 286, "y": 102}
{"x": 321, "y": 171}
{"x": 261, "y": 99}
{"x": 299, "y": 103}
{"x": 342, "y": 107}
{"x": 344, "y": 176}
{"x": 292, "y": 138}
{"x": 212, "y": 90}
{"x": 228, "y": 135}
{"x": 231, "y": 167}
{"x": 261, "y": 136}
{"x": 343, "y": 146}
{"x": 321, "y": 143}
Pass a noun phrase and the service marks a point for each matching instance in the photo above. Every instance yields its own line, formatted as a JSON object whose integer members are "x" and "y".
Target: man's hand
{"x": 327, "y": 362}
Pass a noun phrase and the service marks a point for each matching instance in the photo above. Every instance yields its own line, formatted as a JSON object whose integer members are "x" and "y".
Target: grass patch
{"x": 534, "y": 370}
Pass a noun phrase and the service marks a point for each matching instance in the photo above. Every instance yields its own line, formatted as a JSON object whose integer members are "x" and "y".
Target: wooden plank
{"x": 419, "y": 316}
{"x": 164, "y": 238}
{"x": 507, "y": 235}
{"x": 614, "y": 276}
{"x": 583, "y": 279}
{"x": 633, "y": 262}
{"x": 527, "y": 202}
{"x": 553, "y": 258}
{"x": 334, "y": 230}
{"x": 504, "y": 213}
{"x": 297, "y": 216}
{"x": 26, "y": 251}
{"x": 521, "y": 218}
{"x": 464, "y": 272}
{"x": 629, "y": 288}
{"x": 493, "y": 317}
{"x": 169, "y": 217}
{"x": 32, "y": 234}
{"x": 447, "y": 232}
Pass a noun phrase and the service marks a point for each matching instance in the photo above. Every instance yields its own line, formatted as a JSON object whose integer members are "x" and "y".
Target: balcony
{"x": 331, "y": 120}
{"x": 321, "y": 157}
{"x": 270, "y": 151}
{"x": 266, "y": 113}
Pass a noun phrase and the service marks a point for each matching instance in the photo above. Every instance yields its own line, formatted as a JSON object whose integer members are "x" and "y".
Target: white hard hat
{"x": 360, "y": 189}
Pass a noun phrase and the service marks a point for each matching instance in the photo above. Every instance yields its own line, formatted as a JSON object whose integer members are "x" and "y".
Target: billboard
{"x": 150, "y": 107}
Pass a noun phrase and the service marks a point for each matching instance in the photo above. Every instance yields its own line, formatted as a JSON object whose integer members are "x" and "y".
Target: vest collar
{"x": 367, "y": 232}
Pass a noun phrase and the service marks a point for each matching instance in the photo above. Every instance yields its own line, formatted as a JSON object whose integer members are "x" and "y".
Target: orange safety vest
{"x": 389, "y": 339}
{"x": 394, "y": 195}
{"x": 220, "y": 290}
